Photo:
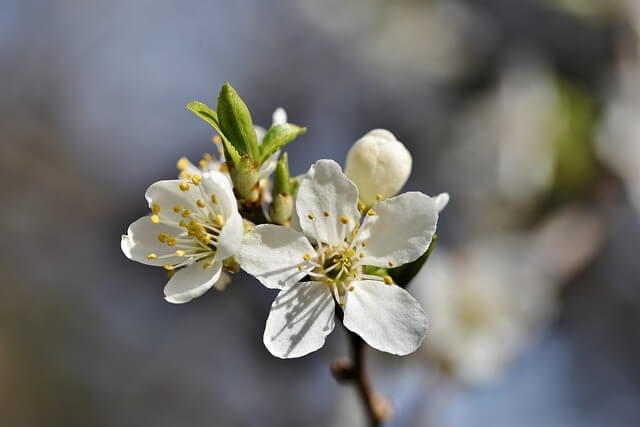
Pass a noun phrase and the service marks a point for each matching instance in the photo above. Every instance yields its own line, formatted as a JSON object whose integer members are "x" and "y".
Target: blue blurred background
{"x": 525, "y": 111}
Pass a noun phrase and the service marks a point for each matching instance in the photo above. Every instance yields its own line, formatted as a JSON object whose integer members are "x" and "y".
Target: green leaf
{"x": 205, "y": 112}
{"x": 235, "y": 122}
{"x": 403, "y": 275}
{"x": 277, "y": 137}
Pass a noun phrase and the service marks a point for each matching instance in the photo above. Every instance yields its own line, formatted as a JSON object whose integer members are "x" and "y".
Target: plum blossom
{"x": 322, "y": 264}
{"x": 193, "y": 228}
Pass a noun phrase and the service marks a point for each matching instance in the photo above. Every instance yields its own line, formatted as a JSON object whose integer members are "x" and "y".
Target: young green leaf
{"x": 203, "y": 111}
{"x": 403, "y": 274}
{"x": 277, "y": 137}
{"x": 235, "y": 122}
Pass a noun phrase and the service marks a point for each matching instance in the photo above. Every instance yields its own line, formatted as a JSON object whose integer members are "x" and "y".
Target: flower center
{"x": 201, "y": 228}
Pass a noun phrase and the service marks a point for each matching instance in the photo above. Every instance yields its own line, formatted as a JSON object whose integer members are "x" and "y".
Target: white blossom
{"x": 487, "y": 304}
{"x": 193, "y": 228}
{"x": 379, "y": 165}
{"x": 322, "y": 265}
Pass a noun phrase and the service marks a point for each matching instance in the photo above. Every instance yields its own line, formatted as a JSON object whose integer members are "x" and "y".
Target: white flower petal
{"x": 272, "y": 253}
{"x": 300, "y": 319}
{"x": 218, "y": 184}
{"x": 191, "y": 282}
{"x": 269, "y": 165}
{"x": 168, "y": 194}
{"x": 400, "y": 231}
{"x": 327, "y": 195}
{"x": 142, "y": 239}
{"x": 279, "y": 117}
{"x": 385, "y": 316}
{"x": 230, "y": 237}
{"x": 260, "y": 133}
{"x": 442, "y": 200}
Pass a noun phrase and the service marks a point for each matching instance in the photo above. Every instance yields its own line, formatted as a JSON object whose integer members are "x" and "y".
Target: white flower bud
{"x": 379, "y": 165}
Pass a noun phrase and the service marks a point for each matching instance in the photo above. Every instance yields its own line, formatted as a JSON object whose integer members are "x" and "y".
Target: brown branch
{"x": 354, "y": 371}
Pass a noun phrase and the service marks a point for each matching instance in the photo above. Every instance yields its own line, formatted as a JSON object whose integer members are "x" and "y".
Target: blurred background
{"x": 527, "y": 112}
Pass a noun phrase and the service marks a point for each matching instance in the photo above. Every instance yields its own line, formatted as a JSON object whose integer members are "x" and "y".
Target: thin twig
{"x": 355, "y": 372}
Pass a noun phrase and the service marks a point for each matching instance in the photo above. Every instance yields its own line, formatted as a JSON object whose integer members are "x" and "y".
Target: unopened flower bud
{"x": 379, "y": 165}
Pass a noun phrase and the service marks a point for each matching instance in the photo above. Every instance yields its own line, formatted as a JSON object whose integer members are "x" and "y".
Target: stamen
{"x": 202, "y": 163}
{"x": 371, "y": 212}
{"x": 207, "y": 157}
{"x": 206, "y": 265}
{"x": 299, "y": 267}
{"x": 361, "y": 255}
{"x": 152, "y": 256}
{"x": 391, "y": 264}
{"x": 219, "y": 220}
{"x": 178, "y": 208}
{"x": 388, "y": 280}
{"x": 214, "y": 199}
{"x": 182, "y": 163}
{"x": 168, "y": 267}
{"x": 310, "y": 216}
{"x": 184, "y": 186}
{"x": 185, "y": 175}
{"x": 352, "y": 288}
{"x": 307, "y": 256}
{"x": 186, "y": 213}
{"x": 378, "y": 197}
{"x": 155, "y": 208}
{"x": 163, "y": 237}
{"x": 325, "y": 213}
{"x": 196, "y": 179}
{"x": 171, "y": 241}
{"x": 180, "y": 252}
{"x": 344, "y": 220}
{"x": 216, "y": 139}
{"x": 363, "y": 243}
{"x": 155, "y": 219}
{"x": 201, "y": 204}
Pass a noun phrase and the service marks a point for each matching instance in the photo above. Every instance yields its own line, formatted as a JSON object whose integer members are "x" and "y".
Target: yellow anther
{"x": 371, "y": 212}
{"x": 182, "y": 224}
{"x": 202, "y": 163}
{"x": 178, "y": 208}
{"x": 219, "y": 220}
{"x": 388, "y": 280}
{"x": 170, "y": 274}
{"x": 216, "y": 139}
{"x": 361, "y": 206}
{"x": 155, "y": 208}
{"x": 326, "y": 252}
{"x": 155, "y": 219}
{"x": 171, "y": 241}
{"x": 299, "y": 267}
{"x": 180, "y": 252}
{"x": 214, "y": 199}
{"x": 307, "y": 256}
{"x": 378, "y": 197}
{"x": 168, "y": 267}
{"x": 206, "y": 239}
{"x": 363, "y": 243}
{"x": 163, "y": 237}
{"x": 361, "y": 255}
{"x": 330, "y": 280}
{"x": 344, "y": 220}
{"x": 352, "y": 288}
{"x": 224, "y": 167}
{"x": 196, "y": 179}
{"x": 182, "y": 163}
{"x": 207, "y": 157}
{"x": 310, "y": 216}
{"x": 206, "y": 265}
{"x": 152, "y": 256}
{"x": 341, "y": 304}
{"x": 186, "y": 213}
{"x": 184, "y": 175}
{"x": 391, "y": 264}
{"x": 184, "y": 186}
{"x": 354, "y": 231}
{"x": 201, "y": 204}
{"x": 325, "y": 213}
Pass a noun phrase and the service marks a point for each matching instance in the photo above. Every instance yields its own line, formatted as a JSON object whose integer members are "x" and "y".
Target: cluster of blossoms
{"x": 326, "y": 238}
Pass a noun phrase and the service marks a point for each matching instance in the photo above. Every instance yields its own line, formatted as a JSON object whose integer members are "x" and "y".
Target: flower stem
{"x": 354, "y": 371}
